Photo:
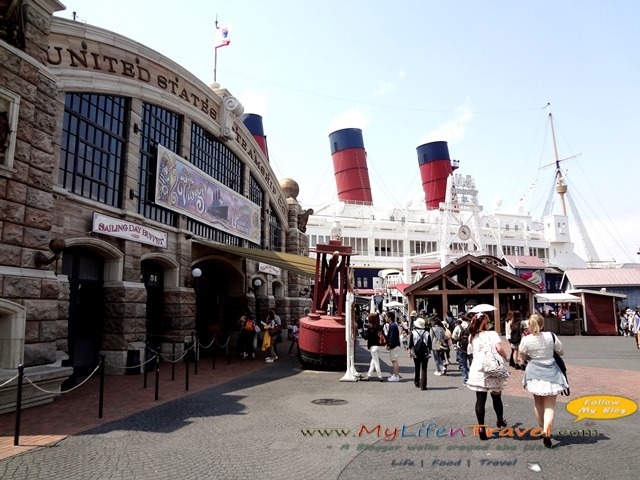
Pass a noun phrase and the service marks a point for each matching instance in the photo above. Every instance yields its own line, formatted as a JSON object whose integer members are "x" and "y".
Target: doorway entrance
{"x": 86, "y": 308}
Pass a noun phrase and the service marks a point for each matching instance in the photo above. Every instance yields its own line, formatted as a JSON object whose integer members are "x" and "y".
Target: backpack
{"x": 249, "y": 325}
{"x": 421, "y": 347}
{"x": 463, "y": 338}
{"x": 516, "y": 336}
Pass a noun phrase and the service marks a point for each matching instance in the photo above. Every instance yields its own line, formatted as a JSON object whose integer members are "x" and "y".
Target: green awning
{"x": 294, "y": 263}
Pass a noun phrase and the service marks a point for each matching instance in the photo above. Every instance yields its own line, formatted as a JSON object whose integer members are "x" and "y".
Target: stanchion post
{"x": 157, "y": 375}
{"x": 101, "y": 394}
{"x": 144, "y": 370}
{"x": 213, "y": 353}
{"x": 186, "y": 362}
{"x": 16, "y": 435}
{"x": 173, "y": 362}
{"x": 196, "y": 350}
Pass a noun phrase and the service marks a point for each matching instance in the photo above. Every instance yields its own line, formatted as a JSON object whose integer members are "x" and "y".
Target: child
{"x": 294, "y": 336}
{"x": 404, "y": 338}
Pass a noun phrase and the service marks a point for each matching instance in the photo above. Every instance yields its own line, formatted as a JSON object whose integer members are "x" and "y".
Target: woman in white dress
{"x": 480, "y": 382}
{"x": 542, "y": 377}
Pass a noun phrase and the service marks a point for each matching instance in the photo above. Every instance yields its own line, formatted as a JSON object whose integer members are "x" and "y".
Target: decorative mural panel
{"x": 186, "y": 189}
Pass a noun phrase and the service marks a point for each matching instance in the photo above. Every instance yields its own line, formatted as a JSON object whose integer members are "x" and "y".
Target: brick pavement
{"x": 124, "y": 395}
{"x": 77, "y": 412}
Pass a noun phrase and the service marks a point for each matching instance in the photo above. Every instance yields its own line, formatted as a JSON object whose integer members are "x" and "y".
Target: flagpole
{"x": 215, "y": 64}
{"x": 215, "y": 55}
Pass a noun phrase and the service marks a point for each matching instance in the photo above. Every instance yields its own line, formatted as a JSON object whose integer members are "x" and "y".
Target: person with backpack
{"x": 460, "y": 339}
{"x": 246, "y": 336}
{"x": 419, "y": 350}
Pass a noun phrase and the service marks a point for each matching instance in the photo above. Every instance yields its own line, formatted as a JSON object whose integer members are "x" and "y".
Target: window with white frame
{"x": 9, "y": 110}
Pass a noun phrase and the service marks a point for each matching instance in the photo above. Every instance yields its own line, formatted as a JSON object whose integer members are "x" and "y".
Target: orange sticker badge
{"x": 601, "y": 407}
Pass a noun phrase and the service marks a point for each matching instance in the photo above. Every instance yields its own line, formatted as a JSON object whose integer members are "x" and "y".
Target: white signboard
{"x": 128, "y": 230}
{"x": 265, "y": 268}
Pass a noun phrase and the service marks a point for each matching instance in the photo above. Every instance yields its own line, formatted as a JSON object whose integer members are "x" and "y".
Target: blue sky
{"x": 476, "y": 74}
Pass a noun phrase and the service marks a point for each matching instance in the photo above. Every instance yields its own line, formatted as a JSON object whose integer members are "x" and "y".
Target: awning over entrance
{"x": 556, "y": 298}
{"x": 294, "y": 263}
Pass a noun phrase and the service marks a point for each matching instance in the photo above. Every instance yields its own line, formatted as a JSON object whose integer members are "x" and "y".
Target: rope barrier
{"x": 207, "y": 345}
{"x": 133, "y": 366}
{"x": 21, "y": 404}
{"x": 10, "y": 380}
{"x": 65, "y": 391}
{"x": 167, "y": 356}
{"x": 176, "y": 360}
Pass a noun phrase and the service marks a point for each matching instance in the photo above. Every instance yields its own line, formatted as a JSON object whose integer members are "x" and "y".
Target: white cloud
{"x": 452, "y": 131}
{"x": 352, "y": 118}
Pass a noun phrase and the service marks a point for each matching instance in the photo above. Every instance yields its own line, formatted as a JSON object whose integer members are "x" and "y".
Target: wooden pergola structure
{"x": 469, "y": 281}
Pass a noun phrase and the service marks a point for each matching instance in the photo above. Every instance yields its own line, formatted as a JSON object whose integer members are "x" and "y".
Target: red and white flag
{"x": 222, "y": 38}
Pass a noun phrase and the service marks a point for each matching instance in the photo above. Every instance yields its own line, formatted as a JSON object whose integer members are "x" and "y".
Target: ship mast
{"x": 561, "y": 186}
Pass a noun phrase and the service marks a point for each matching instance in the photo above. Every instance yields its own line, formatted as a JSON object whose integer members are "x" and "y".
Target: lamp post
{"x": 256, "y": 283}
{"x": 196, "y": 273}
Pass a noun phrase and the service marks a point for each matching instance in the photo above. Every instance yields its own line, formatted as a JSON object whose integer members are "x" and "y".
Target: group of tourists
{"x": 629, "y": 324}
{"x": 481, "y": 357}
{"x": 269, "y": 331}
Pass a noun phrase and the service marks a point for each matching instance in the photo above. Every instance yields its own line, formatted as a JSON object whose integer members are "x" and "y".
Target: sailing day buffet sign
{"x": 115, "y": 227}
{"x": 186, "y": 189}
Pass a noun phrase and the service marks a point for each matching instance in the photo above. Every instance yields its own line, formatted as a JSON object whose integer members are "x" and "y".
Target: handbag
{"x": 381, "y": 339}
{"x": 447, "y": 333}
{"x": 491, "y": 363}
{"x": 561, "y": 365}
{"x": 438, "y": 345}
{"x": 275, "y": 331}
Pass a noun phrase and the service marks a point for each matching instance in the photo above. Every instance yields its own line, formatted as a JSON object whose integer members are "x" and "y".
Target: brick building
{"x": 122, "y": 175}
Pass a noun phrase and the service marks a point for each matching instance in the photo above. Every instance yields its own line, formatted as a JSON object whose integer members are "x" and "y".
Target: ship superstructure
{"x": 407, "y": 243}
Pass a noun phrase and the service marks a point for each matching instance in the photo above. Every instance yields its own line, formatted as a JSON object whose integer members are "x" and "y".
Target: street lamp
{"x": 197, "y": 273}
{"x": 256, "y": 284}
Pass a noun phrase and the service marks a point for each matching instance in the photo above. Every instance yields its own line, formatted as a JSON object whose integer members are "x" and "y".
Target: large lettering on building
{"x": 67, "y": 51}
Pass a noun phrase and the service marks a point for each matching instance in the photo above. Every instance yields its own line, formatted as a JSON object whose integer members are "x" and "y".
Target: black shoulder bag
{"x": 563, "y": 368}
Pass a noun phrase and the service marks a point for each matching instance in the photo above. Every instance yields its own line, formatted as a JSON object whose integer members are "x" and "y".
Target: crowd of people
{"x": 473, "y": 339}
{"x": 266, "y": 335}
{"x": 471, "y": 336}
{"x": 629, "y": 324}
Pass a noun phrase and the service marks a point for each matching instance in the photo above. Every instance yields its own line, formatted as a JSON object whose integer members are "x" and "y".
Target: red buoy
{"x": 321, "y": 340}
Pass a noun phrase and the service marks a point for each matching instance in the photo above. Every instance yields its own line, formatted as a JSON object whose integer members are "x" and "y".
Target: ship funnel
{"x": 350, "y": 166}
{"x": 253, "y": 122}
{"x": 435, "y": 168}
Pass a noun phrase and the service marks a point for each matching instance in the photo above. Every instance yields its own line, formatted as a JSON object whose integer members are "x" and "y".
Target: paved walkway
{"x": 124, "y": 395}
{"x": 249, "y": 419}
